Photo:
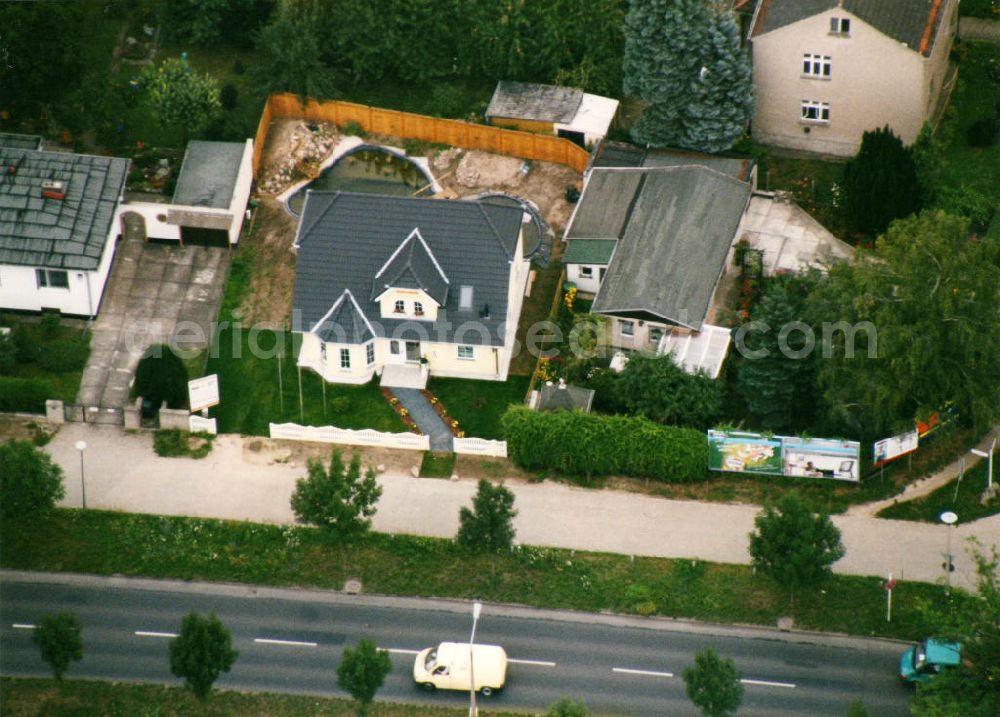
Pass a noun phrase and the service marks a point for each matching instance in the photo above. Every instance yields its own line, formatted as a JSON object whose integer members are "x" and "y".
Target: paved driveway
{"x": 157, "y": 293}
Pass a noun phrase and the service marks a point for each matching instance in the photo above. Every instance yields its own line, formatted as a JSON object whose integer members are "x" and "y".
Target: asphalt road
{"x": 291, "y": 640}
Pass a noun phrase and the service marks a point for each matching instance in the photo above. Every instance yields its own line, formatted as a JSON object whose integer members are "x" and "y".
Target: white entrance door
{"x": 396, "y": 351}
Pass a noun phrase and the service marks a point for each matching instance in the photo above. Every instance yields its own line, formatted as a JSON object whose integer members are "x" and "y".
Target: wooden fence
{"x": 455, "y": 133}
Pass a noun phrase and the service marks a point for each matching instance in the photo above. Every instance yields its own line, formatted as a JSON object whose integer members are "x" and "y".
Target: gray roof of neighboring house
{"x": 913, "y": 22}
{"x": 619, "y": 154}
{"x": 589, "y": 251}
{"x": 544, "y": 103}
{"x": 68, "y": 233}
{"x": 606, "y": 204}
{"x": 208, "y": 174}
{"x": 564, "y": 397}
{"x": 20, "y": 141}
{"x": 675, "y": 239}
{"x": 345, "y": 239}
{"x": 412, "y": 266}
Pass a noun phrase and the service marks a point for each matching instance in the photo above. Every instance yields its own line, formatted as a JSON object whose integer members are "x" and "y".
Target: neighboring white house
{"x": 405, "y": 287}
{"x": 213, "y": 187}
{"x": 58, "y": 226}
{"x": 826, "y": 71}
{"x": 562, "y": 111}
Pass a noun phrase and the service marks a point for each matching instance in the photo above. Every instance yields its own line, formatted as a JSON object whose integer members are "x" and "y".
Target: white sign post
{"x": 203, "y": 392}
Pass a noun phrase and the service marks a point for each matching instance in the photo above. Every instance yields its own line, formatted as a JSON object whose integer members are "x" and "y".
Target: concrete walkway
{"x": 123, "y": 473}
{"x": 975, "y": 28}
{"x": 426, "y": 418}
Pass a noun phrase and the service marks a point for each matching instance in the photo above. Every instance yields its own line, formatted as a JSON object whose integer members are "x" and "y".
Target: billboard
{"x": 203, "y": 392}
{"x": 743, "y": 452}
{"x": 895, "y": 446}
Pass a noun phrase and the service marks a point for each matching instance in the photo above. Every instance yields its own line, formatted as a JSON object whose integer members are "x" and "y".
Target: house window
{"x": 322, "y": 351}
{"x": 465, "y": 298}
{"x": 813, "y": 111}
{"x": 627, "y": 328}
{"x": 586, "y": 272}
{"x": 345, "y": 358}
{"x": 466, "y": 352}
{"x": 655, "y": 334}
{"x": 816, "y": 65}
{"x": 52, "y": 278}
{"x": 394, "y": 348}
{"x": 400, "y": 307}
{"x": 370, "y": 353}
{"x": 418, "y": 308}
{"x": 840, "y": 25}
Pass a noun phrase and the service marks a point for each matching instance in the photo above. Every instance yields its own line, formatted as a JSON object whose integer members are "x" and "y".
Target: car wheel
{"x": 427, "y": 686}
{"x": 486, "y": 691}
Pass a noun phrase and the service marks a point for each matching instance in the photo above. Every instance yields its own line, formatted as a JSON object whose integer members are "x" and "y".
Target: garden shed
{"x": 562, "y": 111}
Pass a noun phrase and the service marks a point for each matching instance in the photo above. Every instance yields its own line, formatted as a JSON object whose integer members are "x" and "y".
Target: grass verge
{"x": 962, "y": 497}
{"x": 107, "y": 543}
{"x": 478, "y": 405}
{"x": 40, "y": 338}
{"x": 20, "y": 697}
{"x": 437, "y": 465}
{"x": 172, "y": 442}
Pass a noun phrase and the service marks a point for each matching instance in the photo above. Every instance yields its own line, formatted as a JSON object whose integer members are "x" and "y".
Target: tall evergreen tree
{"x": 683, "y": 58}
{"x": 880, "y": 182}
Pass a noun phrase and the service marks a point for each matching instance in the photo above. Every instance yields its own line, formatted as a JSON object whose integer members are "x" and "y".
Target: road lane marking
{"x": 648, "y": 673}
{"x": 22, "y": 626}
{"x": 766, "y": 683}
{"x": 145, "y": 633}
{"x": 400, "y": 651}
{"x": 292, "y": 643}
{"x": 536, "y": 663}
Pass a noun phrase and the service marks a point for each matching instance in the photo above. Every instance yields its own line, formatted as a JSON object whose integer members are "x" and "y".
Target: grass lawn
{"x": 21, "y": 697}
{"x": 960, "y": 497}
{"x": 535, "y": 310}
{"x": 437, "y": 465}
{"x": 251, "y": 397}
{"x": 478, "y": 405}
{"x": 65, "y": 384}
{"x": 107, "y": 543}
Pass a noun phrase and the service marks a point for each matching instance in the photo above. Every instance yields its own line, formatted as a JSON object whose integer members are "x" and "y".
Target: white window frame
{"x": 418, "y": 308}
{"x": 345, "y": 359}
{"x": 465, "y": 298}
{"x": 399, "y": 307}
{"x": 816, "y": 66}
{"x": 43, "y": 277}
{"x": 370, "y": 353}
{"x": 821, "y": 110}
{"x": 626, "y": 328}
{"x": 657, "y": 329}
{"x": 466, "y": 352}
{"x": 840, "y": 26}
{"x": 586, "y": 272}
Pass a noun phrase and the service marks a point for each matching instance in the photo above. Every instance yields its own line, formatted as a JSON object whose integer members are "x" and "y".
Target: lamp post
{"x": 477, "y": 608}
{"x": 949, "y": 518}
{"x": 81, "y": 446}
{"x": 988, "y": 455}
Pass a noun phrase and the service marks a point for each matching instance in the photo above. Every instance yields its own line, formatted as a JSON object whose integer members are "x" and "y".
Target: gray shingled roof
{"x": 412, "y": 266}
{"x": 344, "y": 323}
{"x": 676, "y": 237}
{"x": 208, "y": 174}
{"x": 527, "y": 101}
{"x": 20, "y": 141}
{"x": 67, "y": 233}
{"x": 619, "y": 154}
{"x": 344, "y": 239}
{"x": 589, "y": 251}
{"x": 902, "y": 20}
{"x": 564, "y": 397}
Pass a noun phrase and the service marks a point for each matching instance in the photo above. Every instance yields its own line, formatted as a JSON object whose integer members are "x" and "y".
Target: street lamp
{"x": 81, "y": 446}
{"x": 949, "y": 518}
{"x": 988, "y": 455}
{"x": 477, "y": 608}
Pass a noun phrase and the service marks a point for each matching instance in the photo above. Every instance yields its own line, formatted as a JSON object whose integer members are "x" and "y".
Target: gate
{"x": 98, "y": 415}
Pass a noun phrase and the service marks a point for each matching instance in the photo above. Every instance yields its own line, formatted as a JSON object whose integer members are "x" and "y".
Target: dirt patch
{"x": 14, "y": 427}
{"x": 268, "y": 300}
{"x": 294, "y": 151}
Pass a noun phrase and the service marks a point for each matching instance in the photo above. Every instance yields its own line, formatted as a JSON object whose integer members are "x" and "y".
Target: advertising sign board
{"x": 895, "y": 446}
{"x": 739, "y": 452}
{"x": 203, "y": 392}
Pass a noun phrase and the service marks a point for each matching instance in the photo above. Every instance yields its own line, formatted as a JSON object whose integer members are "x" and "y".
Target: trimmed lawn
{"x": 107, "y": 543}
{"x": 251, "y": 397}
{"x": 478, "y": 405}
{"x": 960, "y": 497}
{"x": 65, "y": 384}
{"x": 437, "y": 465}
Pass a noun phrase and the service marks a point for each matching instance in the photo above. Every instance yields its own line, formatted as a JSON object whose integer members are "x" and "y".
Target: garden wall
{"x": 480, "y": 447}
{"x": 455, "y": 133}
{"x": 364, "y": 437}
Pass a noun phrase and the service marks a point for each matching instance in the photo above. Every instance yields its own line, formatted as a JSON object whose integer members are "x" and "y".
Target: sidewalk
{"x": 123, "y": 473}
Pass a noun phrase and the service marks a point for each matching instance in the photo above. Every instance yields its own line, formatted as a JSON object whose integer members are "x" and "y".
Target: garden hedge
{"x": 24, "y": 394}
{"x": 589, "y": 445}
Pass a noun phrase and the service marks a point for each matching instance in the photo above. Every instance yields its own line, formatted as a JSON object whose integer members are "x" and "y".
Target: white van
{"x": 446, "y": 667}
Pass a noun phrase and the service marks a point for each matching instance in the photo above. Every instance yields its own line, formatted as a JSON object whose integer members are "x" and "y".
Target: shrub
{"x": 354, "y": 129}
{"x": 24, "y": 394}
{"x": 50, "y": 324}
{"x": 579, "y": 444}
{"x": 8, "y": 355}
{"x": 983, "y": 132}
{"x": 340, "y": 404}
{"x": 60, "y": 355}
{"x": 229, "y": 96}
{"x": 30, "y": 481}
{"x": 170, "y": 442}
{"x": 161, "y": 376}
{"x": 27, "y": 343}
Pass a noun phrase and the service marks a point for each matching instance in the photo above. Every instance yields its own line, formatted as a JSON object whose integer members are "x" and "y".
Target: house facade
{"x": 826, "y": 71}
{"x": 426, "y": 286}
{"x": 58, "y": 227}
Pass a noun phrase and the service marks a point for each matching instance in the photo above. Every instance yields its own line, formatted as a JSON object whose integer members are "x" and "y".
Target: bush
{"x": 8, "y": 355}
{"x": 983, "y": 132}
{"x": 173, "y": 442}
{"x": 229, "y": 96}
{"x": 27, "y": 343}
{"x": 340, "y": 404}
{"x": 30, "y": 481}
{"x": 579, "y": 444}
{"x": 161, "y": 376}
{"x": 61, "y": 355}
{"x": 24, "y": 394}
{"x": 989, "y": 9}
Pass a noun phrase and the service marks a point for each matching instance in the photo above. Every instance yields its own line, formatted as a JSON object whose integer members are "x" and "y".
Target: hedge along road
{"x": 123, "y": 473}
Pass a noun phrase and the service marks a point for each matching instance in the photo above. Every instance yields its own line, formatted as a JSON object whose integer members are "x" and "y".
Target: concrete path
{"x": 426, "y": 418}
{"x": 975, "y": 28}
{"x": 123, "y": 473}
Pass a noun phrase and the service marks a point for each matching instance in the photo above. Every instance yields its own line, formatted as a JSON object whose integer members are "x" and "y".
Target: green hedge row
{"x": 24, "y": 394}
{"x": 588, "y": 445}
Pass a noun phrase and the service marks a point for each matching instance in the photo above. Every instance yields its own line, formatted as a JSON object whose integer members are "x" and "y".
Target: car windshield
{"x": 919, "y": 658}
{"x": 431, "y": 662}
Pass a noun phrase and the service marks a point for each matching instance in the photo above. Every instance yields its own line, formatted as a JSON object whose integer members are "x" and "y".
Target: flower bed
{"x": 401, "y": 411}
{"x": 449, "y": 421}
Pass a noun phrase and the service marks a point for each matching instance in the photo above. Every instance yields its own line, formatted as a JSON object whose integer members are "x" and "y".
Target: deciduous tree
{"x": 657, "y": 388}
{"x": 713, "y": 684}
{"x": 30, "y": 482}
{"x": 337, "y": 499}
{"x": 58, "y": 638}
{"x": 201, "y": 652}
{"x": 489, "y": 526}
{"x": 290, "y": 51}
{"x": 181, "y": 97}
{"x": 161, "y": 376}
{"x": 362, "y": 671}
{"x": 880, "y": 182}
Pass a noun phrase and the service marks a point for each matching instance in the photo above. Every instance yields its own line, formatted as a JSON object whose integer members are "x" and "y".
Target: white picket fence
{"x": 481, "y": 447}
{"x": 364, "y": 437}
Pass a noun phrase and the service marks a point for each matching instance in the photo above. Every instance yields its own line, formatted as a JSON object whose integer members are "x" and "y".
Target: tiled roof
{"x": 345, "y": 322}
{"x": 345, "y": 239}
{"x": 68, "y": 233}
{"x": 620, "y": 154}
{"x": 412, "y": 266}
{"x": 564, "y": 397}
{"x": 20, "y": 141}
{"x": 544, "y": 103}
{"x": 589, "y": 251}
{"x": 913, "y": 22}
{"x": 208, "y": 174}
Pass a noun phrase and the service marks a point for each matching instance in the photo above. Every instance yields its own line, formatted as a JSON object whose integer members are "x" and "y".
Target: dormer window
{"x": 840, "y": 25}
{"x": 418, "y": 308}
{"x": 400, "y": 307}
{"x": 465, "y": 298}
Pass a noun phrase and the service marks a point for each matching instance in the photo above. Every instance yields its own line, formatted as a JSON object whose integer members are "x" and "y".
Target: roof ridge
{"x": 304, "y": 230}
{"x": 494, "y": 232}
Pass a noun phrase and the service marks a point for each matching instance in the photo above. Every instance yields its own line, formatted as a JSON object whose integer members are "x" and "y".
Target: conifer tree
{"x": 880, "y": 182}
